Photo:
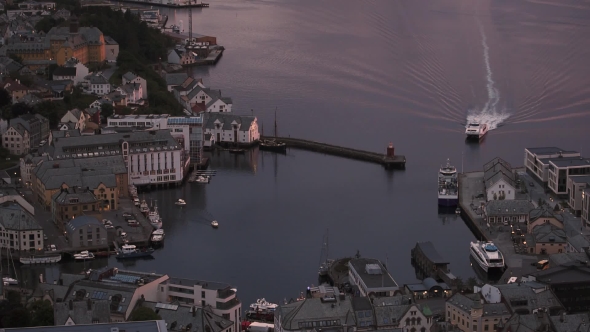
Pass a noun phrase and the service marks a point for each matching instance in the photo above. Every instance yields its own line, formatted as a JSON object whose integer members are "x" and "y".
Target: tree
{"x": 13, "y": 297}
{"x": 19, "y": 109}
{"x": 106, "y": 110}
{"x": 471, "y": 282}
{"x": 5, "y": 98}
{"x": 142, "y": 314}
{"x": 459, "y": 284}
{"x": 42, "y": 313}
{"x": 53, "y": 111}
{"x": 16, "y": 58}
{"x": 18, "y": 317}
{"x": 556, "y": 208}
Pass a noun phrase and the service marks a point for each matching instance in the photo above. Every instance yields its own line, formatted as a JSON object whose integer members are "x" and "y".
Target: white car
{"x": 53, "y": 247}
{"x": 108, "y": 226}
{"x": 123, "y": 234}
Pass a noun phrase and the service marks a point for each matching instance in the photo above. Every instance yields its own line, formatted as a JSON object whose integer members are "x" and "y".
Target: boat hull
{"x": 280, "y": 147}
{"x": 446, "y": 201}
{"x": 40, "y": 260}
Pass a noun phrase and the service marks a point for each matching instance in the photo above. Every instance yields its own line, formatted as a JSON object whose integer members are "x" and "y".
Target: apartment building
{"x": 560, "y": 169}
{"x": 536, "y": 160}
{"x": 576, "y": 184}
{"x": 18, "y": 228}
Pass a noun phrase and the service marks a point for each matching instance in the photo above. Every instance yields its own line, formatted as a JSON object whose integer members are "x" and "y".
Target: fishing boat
{"x": 273, "y": 144}
{"x": 476, "y": 130}
{"x": 214, "y": 224}
{"x": 180, "y": 201}
{"x": 157, "y": 237}
{"x": 144, "y": 207}
{"x": 154, "y": 217}
{"x": 129, "y": 251}
{"x": 448, "y": 194}
{"x": 202, "y": 179}
{"x": 84, "y": 255}
{"x": 40, "y": 259}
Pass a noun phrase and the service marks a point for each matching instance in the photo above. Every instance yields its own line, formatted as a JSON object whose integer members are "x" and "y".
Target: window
{"x": 203, "y": 294}
{"x": 486, "y": 327}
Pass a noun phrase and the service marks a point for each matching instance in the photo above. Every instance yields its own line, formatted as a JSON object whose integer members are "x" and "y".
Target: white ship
{"x": 154, "y": 217}
{"x": 263, "y": 305}
{"x": 157, "y": 237}
{"x": 448, "y": 194}
{"x": 84, "y": 255}
{"x": 144, "y": 207}
{"x": 487, "y": 255}
{"x": 476, "y": 130}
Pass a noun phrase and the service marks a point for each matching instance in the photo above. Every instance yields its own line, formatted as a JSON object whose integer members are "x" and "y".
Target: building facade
{"x": 508, "y": 211}
{"x": 69, "y": 203}
{"x": 231, "y": 129}
{"x": 18, "y": 228}
{"x": 16, "y": 139}
{"x": 576, "y": 184}
{"x": 86, "y": 231}
{"x": 130, "y": 77}
{"x": 371, "y": 278}
{"x": 499, "y": 180}
{"x": 469, "y": 314}
{"x": 536, "y": 161}
{"x": 560, "y": 169}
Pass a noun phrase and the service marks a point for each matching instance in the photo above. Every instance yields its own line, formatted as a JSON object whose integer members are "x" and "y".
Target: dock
{"x": 427, "y": 259}
{"x": 389, "y": 160}
{"x": 162, "y": 3}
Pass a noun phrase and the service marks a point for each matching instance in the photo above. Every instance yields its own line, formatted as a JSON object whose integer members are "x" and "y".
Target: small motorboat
{"x": 180, "y": 201}
{"x": 84, "y": 255}
{"x": 214, "y": 224}
{"x": 202, "y": 179}
{"x": 9, "y": 281}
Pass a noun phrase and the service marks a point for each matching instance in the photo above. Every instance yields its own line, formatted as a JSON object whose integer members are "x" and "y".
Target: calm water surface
{"x": 362, "y": 74}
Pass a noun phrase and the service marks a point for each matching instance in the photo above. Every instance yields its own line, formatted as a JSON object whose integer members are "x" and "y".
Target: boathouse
{"x": 427, "y": 259}
{"x": 428, "y": 288}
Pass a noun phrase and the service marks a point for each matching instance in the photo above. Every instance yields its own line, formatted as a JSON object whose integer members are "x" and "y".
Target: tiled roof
{"x": 14, "y": 217}
{"x": 74, "y": 195}
{"x": 183, "y": 316}
{"x": 508, "y": 207}
{"x": 314, "y": 309}
{"x": 64, "y": 71}
{"x": 244, "y": 121}
{"x": 544, "y": 212}
{"x": 82, "y": 312}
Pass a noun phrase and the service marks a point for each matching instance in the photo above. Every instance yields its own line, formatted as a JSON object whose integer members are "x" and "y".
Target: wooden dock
{"x": 388, "y": 161}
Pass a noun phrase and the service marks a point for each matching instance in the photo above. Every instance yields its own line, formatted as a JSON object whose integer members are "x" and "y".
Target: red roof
{"x": 198, "y": 108}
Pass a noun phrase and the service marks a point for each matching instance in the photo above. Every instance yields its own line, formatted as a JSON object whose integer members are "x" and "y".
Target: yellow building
{"x": 29, "y": 48}
{"x": 86, "y": 44}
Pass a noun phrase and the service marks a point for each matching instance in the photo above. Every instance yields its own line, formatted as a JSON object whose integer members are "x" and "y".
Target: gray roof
{"x": 571, "y": 322}
{"x": 567, "y": 258}
{"x": 110, "y": 41}
{"x": 77, "y": 194}
{"x": 529, "y": 295}
{"x": 570, "y": 162}
{"x": 579, "y": 242}
{"x": 63, "y": 133}
{"x": 183, "y": 316}
{"x": 89, "y": 172}
{"x": 580, "y": 178}
{"x": 244, "y": 121}
{"x": 146, "y": 326}
{"x": 14, "y": 217}
{"x": 105, "y": 291}
{"x": 390, "y": 315}
{"x": 30, "y": 99}
{"x": 571, "y": 273}
{"x": 495, "y": 309}
{"x": 97, "y": 79}
{"x": 544, "y": 212}
{"x": 508, "y": 207}
{"x": 56, "y": 292}
{"x": 527, "y": 323}
{"x": 64, "y": 71}
{"x": 361, "y": 304}
{"x": 82, "y": 312}
{"x": 546, "y": 150}
{"x": 82, "y": 221}
{"x": 129, "y": 76}
{"x": 392, "y": 300}
{"x": 548, "y": 233}
{"x": 175, "y": 78}
{"x": 464, "y": 302}
{"x": 372, "y": 280}
{"x": 314, "y": 309}
{"x": 499, "y": 175}
{"x": 431, "y": 253}
{"x": 497, "y": 164}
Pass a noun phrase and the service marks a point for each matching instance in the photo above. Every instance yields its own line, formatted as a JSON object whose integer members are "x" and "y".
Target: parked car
{"x": 107, "y": 226}
{"x": 123, "y": 234}
{"x": 53, "y": 247}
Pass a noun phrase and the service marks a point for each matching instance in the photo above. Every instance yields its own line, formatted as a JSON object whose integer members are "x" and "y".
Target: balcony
{"x": 227, "y": 305}
{"x": 225, "y": 293}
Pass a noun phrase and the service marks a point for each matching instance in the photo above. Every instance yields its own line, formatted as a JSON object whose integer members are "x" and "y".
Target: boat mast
{"x": 276, "y": 123}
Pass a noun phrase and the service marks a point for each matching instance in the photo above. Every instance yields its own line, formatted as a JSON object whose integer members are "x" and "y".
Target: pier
{"x": 162, "y": 3}
{"x": 389, "y": 160}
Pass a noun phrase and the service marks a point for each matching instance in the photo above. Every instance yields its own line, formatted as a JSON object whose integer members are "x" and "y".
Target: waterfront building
{"x": 131, "y": 78}
{"x": 125, "y": 290}
{"x": 408, "y": 317}
{"x": 81, "y": 311}
{"x": 571, "y": 284}
{"x": 69, "y": 203}
{"x": 546, "y": 239}
{"x": 86, "y": 232}
{"x": 525, "y": 297}
{"x": 499, "y": 180}
{"x": 577, "y": 243}
{"x": 144, "y": 326}
{"x": 544, "y": 215}
{"x": 187, "y": 130}
{"x": 428, "y": 288}
{"x": 508, "y": 211}
{"x": 332, "y": 312}
{"x": 232, "y": 129}
{"x": 106, "y": 176}
{"x": 585, "y": 215}
{"x": 371, "y": 278}
{"x": 470, "y": 313}
{"x": 576, "y": 184}
{"x": 18, "y": 228}
{"x": 16, "y": 139}
{"x": 536, "y": 161}
{"x": 560, "y": 169}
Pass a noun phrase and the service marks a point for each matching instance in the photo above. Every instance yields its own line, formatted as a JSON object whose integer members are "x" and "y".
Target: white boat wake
{"x": 489, "y": 114}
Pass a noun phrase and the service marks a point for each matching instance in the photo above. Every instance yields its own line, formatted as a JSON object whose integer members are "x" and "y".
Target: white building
{"x": 575, "y": 187}
{"x": 232, "y": 129}
{"x": 16, "y": 139}
{"x": 130, "y": 77}
{"x": 586, "y": 207}
{"x": 562, "y": 168}
{"x": 18, "y": 228}
{"x": 499, "y": 180}
{"x": 152, "y": 157}
{"x": 536, "y": 160}
{"x": 97, "y": 84}
{"x": 76, "y": 117}
{"x": 72, "y": 70}
{"x": 371, "y": 277}
{"x": 132, "y": 92}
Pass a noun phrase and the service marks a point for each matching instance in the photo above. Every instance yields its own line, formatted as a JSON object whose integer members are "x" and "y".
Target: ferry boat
{"x": 448, "y": 194}
{"x": 130, "y": 251}
{"x": 262, "y": 304}
{"x": 144, "y": 207}
{"x": 40, "y": 259}
{"x": 84, "y": 255}
{"x": 157, "y": 237}
{"x": 476, "y": 130}
{"x": 180, "y": 201}
{"x": 487, "y": 255}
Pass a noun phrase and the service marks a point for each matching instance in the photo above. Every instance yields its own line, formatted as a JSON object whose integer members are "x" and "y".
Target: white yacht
{"x": 202, "y": 179}
{"x": 214, "y": 224}
{"x": 476, "y": 130}
{"x": 84, "y": 255}
{"x": 158, "y": 237}
{"x": 144, "y": 207}
{"x": 487, "y": 255}
{"x": 9, "y": 281}
{"x": 180, "y": 201}
{"x": 448, "y": 194}
{"x": 262, "y": 304}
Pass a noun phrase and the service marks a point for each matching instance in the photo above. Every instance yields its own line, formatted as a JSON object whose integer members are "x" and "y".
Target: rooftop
{"x": 431, "y": 253}
{"x": 570, "y": 162}
{"x": 580, "y": 178}
{"x": 567, "y": 273}
{"x": 508, "y": 207}
{"x": 299, "y": 315}
{"x": 81, "y": 312}
{"x": 529, "y": 295}
{"x": 547, "y": 150}
{"x": 74, "y": 195}
{"x": 146, "y": 326}
{"x": 14, "y": 217}
{"x": 544, "y": 212}
{"x": 201, "y": 320}
{"x": 226, "y": 120}
{"x": 372, "y": 273}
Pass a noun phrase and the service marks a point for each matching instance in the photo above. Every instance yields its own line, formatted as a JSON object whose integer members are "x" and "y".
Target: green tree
{"x": 42, "y": 313}
{"x": 18, "y": 317}
{"x": 459, "y": 284}
{"x": 106, "y": 110}
{"x": 46, "y": 23}
{"x": 5, "y": 98}
{"x": 16, "y": 58}
{"x": 19, "y": 109}
{"x": 142, "y": 314}
{"x": 51, "y": 110}
{"x": 470, "y": 283}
